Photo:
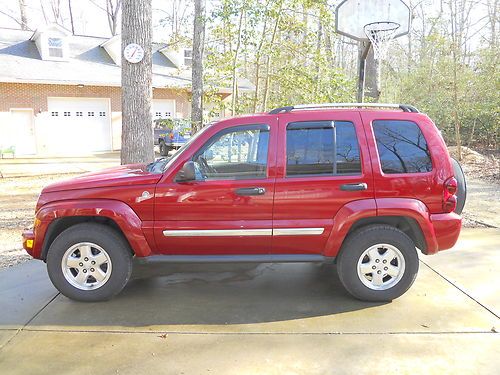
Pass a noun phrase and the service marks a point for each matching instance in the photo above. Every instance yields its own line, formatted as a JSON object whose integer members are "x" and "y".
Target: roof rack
{"x": 403, "y": 107}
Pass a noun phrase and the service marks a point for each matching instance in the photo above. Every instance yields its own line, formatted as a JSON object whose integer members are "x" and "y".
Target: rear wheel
{"x": 377, "y": 263}
{"x": 89, "y": 262}
{"x": 462, "y": 186}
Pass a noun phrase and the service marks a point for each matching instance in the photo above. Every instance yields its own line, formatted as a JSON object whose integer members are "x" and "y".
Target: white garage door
{"x": 163, "y": 108}
{"x": 77, "y": 126}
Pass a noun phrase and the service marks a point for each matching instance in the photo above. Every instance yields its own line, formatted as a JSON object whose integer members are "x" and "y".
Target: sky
{"x": 90, "y": 19}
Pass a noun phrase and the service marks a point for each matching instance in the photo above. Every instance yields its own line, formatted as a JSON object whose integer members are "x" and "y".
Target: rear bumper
{"x": 29, "y": 241}
{"x": 446, "y": 231}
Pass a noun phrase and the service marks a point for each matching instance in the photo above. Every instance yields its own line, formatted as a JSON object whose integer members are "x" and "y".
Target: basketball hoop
{"x": 381, "y": 34}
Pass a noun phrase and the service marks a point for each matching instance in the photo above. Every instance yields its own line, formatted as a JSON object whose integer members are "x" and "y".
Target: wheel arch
{"x": 408, "y": 215}
{"x": 55, "y": 217}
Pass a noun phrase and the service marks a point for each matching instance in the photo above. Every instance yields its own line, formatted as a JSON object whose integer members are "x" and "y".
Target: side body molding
{"x": 126, "y": 219}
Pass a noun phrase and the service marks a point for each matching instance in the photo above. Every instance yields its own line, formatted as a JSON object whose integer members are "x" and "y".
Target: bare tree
{"x": 71, "y": 17}
{"x": 197, "y": 64}
{"x": 18, "y": 20}
{"x": 234, "y": 79}
{"x": 24, "y": 17}
{"x": 137, "y": 89}
{"x": 112, "y": 9}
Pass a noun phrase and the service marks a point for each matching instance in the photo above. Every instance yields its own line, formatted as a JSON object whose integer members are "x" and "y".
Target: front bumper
{"x": 29, "y": 241}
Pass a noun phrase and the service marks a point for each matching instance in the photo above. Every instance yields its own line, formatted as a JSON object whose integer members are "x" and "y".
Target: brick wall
{"x": 30, "y": 95}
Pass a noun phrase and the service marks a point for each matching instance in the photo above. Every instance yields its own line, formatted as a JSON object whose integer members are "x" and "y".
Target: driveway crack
{"x": 462, "y": 290}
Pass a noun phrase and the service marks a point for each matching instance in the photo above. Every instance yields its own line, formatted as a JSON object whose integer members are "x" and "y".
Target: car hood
{"x": 132, "y": 174}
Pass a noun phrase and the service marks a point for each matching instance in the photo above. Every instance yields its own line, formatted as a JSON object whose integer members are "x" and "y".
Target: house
{"x": 60, "y": 93}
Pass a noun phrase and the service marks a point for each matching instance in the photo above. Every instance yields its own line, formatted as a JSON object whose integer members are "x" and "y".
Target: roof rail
{"x": 403, "y": 107}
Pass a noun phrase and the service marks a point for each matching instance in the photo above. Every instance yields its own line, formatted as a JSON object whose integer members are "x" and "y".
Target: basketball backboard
{"x": 351, "y": 16}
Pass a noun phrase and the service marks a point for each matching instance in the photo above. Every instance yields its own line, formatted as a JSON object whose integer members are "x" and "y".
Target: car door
{"x": 228, "y": 208}
{"x": 323, "y": 164}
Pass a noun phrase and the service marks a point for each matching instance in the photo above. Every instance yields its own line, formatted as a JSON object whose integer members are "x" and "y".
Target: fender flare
{"x": 343, "y": 221}
{"x": 354, "y": 211}
{"x": 120, "y": 213}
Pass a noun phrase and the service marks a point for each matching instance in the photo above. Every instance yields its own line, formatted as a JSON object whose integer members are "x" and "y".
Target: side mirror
{"x": 187, "y": 173}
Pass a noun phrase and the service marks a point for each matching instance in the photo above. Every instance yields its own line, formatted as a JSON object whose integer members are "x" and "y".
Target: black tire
{"x": 462, "y": 186}
{"x": 164, "y": 149}
{"x": 116, "y": 247}
{"x": 354, "y": 247}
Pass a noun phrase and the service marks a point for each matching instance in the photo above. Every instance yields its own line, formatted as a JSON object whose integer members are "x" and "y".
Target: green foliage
{"x": 430, "y": 86}
{"x": 280, "y": 54}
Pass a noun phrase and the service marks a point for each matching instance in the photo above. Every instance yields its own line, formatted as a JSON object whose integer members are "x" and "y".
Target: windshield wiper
{"x": 157, "y": 165}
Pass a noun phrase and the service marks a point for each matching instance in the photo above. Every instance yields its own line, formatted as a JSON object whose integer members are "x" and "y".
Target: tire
{"x": 462, "y": 186}
{"x": 359, "y": 254}
{"x": 79, "y": 246}
{"x": 164, "y": 149}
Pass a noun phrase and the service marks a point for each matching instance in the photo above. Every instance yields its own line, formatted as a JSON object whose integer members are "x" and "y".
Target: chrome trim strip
{"x": 298, "y": 231}
{"x": 217, "y": 232}
{"x": 243, "y": 232}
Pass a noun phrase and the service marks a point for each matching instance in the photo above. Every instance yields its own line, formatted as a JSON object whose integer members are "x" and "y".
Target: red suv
{"x": 359, "y": 187}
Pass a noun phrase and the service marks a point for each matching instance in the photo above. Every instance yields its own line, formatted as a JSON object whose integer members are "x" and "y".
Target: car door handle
{"x": 354, "y": 187}
{"x": 250, "y": 191}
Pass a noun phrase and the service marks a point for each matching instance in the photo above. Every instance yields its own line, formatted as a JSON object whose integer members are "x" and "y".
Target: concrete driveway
{"x": 259, "y": 319}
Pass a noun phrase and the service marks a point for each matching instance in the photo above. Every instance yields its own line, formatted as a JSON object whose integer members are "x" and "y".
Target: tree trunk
{"x": 234, "y": 79}
{"x": 137, "y": 129}
{"x": 268, "y": 62}
{"x": 71, "y": 17}
{"x": 24, "y": 17}
{"x": 197, "y": 65}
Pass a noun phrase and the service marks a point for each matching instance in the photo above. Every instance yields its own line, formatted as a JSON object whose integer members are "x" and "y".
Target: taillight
{"x": 449, "y": 197}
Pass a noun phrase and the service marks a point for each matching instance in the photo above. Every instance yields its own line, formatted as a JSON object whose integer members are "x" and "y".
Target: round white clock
{"x": 133, "y": 53}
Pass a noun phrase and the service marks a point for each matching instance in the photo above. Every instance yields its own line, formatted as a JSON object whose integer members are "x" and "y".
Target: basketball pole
{"x": 361, "y": 71}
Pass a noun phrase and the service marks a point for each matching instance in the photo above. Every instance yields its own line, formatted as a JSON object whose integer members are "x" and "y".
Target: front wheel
{"x": 377, "y": 263}
{"x": 89, "y": 262}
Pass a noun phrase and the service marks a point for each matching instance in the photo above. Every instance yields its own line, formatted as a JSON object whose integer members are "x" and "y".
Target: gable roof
{"x": 50, "y": 27}
{"x": 88, "y": 63}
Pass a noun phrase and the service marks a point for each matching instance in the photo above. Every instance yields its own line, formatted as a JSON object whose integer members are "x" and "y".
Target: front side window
{"x": 322, "y": 148}
{"x": 234, "y": 154}
{"x": 401, "y": 147}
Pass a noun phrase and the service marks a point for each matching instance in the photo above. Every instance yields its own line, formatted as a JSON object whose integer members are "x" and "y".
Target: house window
{"x": 79, "y": 114}
{"x": 90, "y": 114}
{"x": 188, "y": 57}
{"x": 168, "y": 114}
{"x": 66, "y": 114}
{"x": 55, "y": 47}
{"x": 158, "y": 114}
{"x": 102, "y": 114}
{"x": 55, "y": 114}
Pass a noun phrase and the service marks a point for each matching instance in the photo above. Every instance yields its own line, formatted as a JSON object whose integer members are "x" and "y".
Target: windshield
{"x": 181, "y": 150}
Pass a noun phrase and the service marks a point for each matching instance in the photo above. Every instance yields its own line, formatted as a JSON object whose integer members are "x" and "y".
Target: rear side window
{"x": 401, "y": 147}
{"x": 322, "y": 148}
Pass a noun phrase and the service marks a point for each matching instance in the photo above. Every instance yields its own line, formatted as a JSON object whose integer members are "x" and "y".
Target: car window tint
{"x": 402, "y": 147}
{"x": 238, "y": 153}
{"x": 322, "y": 148}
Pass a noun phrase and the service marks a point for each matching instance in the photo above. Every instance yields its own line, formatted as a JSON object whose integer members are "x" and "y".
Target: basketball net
{"x": 381, "y": 35}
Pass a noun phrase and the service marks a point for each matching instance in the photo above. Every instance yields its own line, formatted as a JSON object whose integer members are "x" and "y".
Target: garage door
{"x": 77, "y": 126}
{"x": 163, "y": 108}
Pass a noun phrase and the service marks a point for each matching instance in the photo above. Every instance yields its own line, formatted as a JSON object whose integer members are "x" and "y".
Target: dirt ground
{"x": 18, "y": 196}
